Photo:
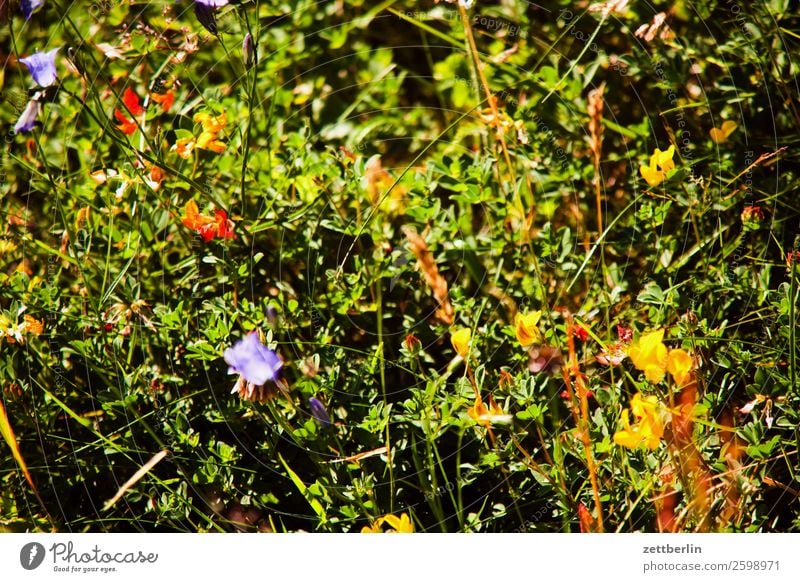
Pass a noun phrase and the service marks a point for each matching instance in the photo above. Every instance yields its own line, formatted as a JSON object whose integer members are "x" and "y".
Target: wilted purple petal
{"x": 318, "y": 412}
{"x": 42, "y": 67}
{"x": 29, "y": 6}
{"x": 27, "y": 120}
{"x": 253, "y": 360}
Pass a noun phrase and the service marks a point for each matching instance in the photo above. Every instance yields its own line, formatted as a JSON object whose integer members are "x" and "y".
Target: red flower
{"x": 131, "y": 101}
{"x": 580, "y": 332}
{"x": 208, "y": 227}
{"x": 126, "y": 126}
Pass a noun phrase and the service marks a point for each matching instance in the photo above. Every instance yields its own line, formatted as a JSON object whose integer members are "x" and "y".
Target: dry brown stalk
{"x": 595, "y": 110}
{"x": 434, "y": 279}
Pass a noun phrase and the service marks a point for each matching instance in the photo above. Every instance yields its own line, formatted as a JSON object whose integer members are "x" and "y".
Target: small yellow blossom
{"x": 527, "y": 331}
{"x": 396, "y": 524}
{"x": 649, "y": 427}
{"x": 211, "y": 123}
{"x": 721, "y": 135}
{"x": 663, "y": 160}
{"x": 649, "y": 355}
{"x": 82, "y": 216}
{"x": 208, "y": 141}
{"x": 679, "y": 364}
{"x": 461, "y": 341}
{"x": 487, "y": 416}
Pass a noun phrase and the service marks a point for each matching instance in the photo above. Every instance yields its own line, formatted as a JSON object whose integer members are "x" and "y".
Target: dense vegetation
{"x": 491, "y": 267}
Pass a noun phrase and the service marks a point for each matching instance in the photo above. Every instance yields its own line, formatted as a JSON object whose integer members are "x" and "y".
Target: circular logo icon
{"x": 31, "y": 555}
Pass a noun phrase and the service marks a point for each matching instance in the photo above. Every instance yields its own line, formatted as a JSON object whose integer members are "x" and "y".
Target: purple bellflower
{"x": 30, "y": 6}
{"x": 27, "y": 120}
{"x": 253, "y": 360}
{"x": 42, "y": 67}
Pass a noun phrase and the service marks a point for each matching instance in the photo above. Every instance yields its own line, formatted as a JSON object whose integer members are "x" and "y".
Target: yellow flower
{"x": 650, "y": 355}
{"x": 400, "y": 524}
{"x": 486, "y": 416}
{"x": 82, "y": 216}
{"x": 721, "y": 135}
{"x": 663, "y": 160}
{"x": 211, "y": 123}
{"x": 652, "y": 176}
{"x": 208, "y": 141}
{"x": 461, "y": 341}
{"x": 5, "y": 325}
{"x": 679, "y": 364}
{"x": 649, "y": 428}
{"x": 526, "y": 330}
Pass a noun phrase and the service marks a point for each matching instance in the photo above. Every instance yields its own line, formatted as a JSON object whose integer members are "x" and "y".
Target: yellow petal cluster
{"x": 650, "y": 356}
{"x": 526, "y": 329}
{"x": 484, "y": 415}
{"x": 653, "y": 358}
{"x": 461, "y": 341}
{"x": 649, "y": 427}
{"x": 660, "y": 164}
{"x": 402, "y": 524}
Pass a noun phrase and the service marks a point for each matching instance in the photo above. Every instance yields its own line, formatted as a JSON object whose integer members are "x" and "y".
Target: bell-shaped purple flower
{"x": 212, "y": 3}
{"x": 27, "y": 120}
{"x": 30, "y": 6}
{"x": 319, "y": 412}
{"x": 253, "y": 360}
{"x": 42, "y": 67}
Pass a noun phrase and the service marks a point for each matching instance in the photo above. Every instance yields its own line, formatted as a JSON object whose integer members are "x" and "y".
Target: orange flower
{"x": 184, "y": 146}
{"x": 207, "y": 227}
{"x": 164, "y": 99}
{"x": 32, "y": 325}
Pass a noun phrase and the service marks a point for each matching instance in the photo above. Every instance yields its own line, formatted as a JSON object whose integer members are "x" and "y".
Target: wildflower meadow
{"x": 399, "y": 266}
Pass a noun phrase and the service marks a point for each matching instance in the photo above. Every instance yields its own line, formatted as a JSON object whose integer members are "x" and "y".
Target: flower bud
{"x": 319, "y": 412}
{"x": 248, "y": 50}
